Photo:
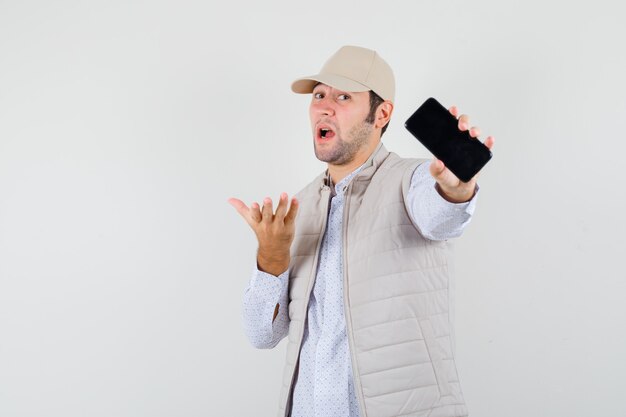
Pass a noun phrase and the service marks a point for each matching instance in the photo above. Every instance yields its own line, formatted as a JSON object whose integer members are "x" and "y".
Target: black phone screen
{"x": 437, "y": 129}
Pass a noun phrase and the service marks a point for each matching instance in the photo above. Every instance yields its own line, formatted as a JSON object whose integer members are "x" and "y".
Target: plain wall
{"x": 126, "y": 125}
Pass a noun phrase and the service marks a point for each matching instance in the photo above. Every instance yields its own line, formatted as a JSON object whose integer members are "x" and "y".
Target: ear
{"x": 383, "y": 114}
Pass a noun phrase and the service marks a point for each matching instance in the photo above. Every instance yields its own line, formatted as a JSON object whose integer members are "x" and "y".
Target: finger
{"x": 255, "y": 212}
{"x": 489, "y": 142}
{"x": 463, "y": 122}
{"x": 474, "y": 131}
{"x": 240, "y": 206}
{"x": 268, "y": 211}
{"x": 293, "y": 210}
{"x": 281, "y": 210}
{"x": 454, "y": 110}
{"x": 244, "y": 211}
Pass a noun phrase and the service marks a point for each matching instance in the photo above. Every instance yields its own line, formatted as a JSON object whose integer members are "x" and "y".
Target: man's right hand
{"x": 274, "y": 231}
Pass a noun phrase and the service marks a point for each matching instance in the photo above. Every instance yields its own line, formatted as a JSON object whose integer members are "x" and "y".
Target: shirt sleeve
{"x": 260, "y": 298}
{"x": 435, "y": 217}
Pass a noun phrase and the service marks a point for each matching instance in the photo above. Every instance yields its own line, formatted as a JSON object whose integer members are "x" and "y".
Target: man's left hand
{"x": 448, "y": 185}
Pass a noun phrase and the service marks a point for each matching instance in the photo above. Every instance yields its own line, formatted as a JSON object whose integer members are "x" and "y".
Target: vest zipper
{"x": 346, "y": 303}
{"x": 325, "y": 199}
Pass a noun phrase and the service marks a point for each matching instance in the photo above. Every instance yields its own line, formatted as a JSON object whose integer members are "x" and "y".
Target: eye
{"x": 318, "y": 95}
{"x": 343, "y": 97}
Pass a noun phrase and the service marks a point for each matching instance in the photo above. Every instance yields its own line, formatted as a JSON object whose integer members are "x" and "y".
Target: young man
{"x": 355, "y": 269}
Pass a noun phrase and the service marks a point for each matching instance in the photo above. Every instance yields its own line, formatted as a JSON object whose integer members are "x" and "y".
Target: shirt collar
{"x": 341, "y": 185}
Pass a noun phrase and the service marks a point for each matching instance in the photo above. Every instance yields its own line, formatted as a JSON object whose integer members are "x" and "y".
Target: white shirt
{"x": 324, "y": 386}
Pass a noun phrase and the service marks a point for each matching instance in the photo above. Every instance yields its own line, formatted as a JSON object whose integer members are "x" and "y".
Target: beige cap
{"x": 352, "y": 69}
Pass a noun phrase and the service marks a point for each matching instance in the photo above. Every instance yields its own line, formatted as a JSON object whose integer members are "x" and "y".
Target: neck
{"x": 339, "y": 172}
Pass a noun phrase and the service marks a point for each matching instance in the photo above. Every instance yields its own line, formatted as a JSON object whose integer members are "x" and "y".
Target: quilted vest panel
{"x": 396, "y": 295}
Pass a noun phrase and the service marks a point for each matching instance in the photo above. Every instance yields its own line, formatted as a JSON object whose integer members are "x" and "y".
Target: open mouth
{"x": 325, "y": 133}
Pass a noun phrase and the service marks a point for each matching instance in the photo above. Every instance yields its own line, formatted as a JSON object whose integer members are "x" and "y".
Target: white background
{"x": 126, "y": 125}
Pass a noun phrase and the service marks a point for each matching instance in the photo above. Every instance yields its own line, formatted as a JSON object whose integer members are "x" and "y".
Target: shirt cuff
{"x": 445, "y": 205}
{"x": 268, "y": 287}
{"x": 435, "y": 217}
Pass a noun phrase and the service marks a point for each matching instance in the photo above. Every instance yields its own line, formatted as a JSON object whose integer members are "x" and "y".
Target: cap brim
{"x": 305, "y": 85}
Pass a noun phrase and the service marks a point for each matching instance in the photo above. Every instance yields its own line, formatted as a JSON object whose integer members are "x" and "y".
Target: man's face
{"x": 338, "y": 123}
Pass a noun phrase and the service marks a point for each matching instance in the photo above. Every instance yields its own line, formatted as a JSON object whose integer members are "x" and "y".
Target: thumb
{"x": 239, "y": 205}
{"x": 436, "y": 168}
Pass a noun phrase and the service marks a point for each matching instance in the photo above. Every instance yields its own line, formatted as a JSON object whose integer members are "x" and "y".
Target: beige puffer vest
{"x": 395, "y": 294}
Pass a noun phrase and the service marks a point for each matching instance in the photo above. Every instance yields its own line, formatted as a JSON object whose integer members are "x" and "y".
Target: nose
{"x": 323, "y": 106}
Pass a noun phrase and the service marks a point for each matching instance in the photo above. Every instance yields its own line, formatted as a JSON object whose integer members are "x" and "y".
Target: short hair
{"x": 375, "y": 101}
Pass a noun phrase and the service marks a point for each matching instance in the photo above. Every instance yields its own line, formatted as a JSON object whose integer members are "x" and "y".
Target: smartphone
{"x": 437, "y": 129}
